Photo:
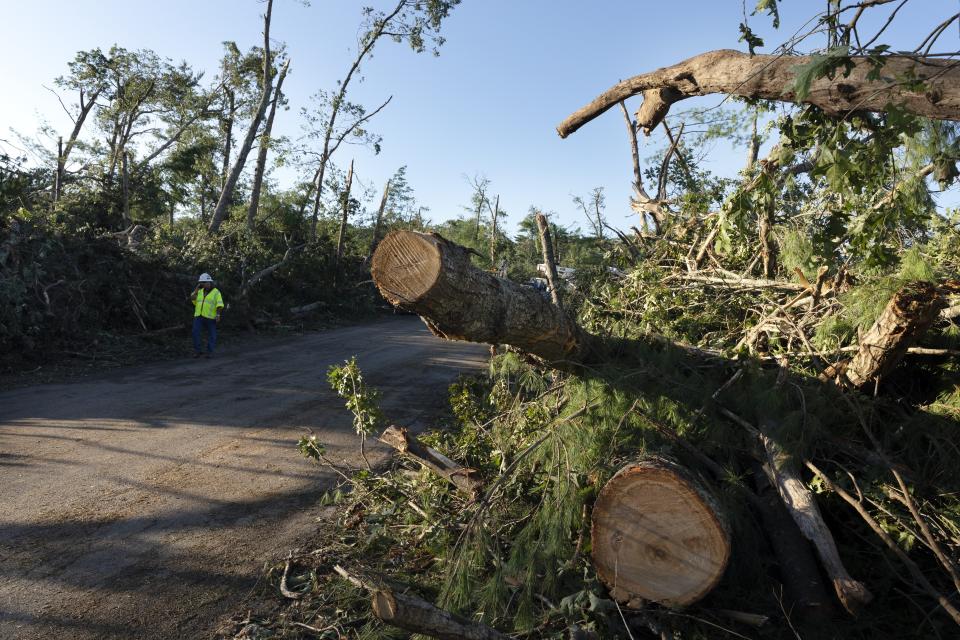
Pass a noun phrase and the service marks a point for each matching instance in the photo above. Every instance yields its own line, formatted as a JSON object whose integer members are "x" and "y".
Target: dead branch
{"x": 463, "y": 478}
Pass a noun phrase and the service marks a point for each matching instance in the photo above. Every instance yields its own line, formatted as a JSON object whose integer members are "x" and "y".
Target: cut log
{"x": 413, "y": 614}
{"x": 772, "y": 77}
{"x": 463, "y": 478}
{"x": 659, "y": 535}
{"x": 432, "y": 277}
{"x": 906, "y": 317}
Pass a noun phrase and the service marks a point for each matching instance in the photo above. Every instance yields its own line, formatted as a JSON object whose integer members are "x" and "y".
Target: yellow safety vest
{"x": 207, "y": 304}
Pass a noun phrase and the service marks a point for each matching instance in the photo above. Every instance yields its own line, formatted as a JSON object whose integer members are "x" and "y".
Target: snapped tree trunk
{"x": 264, "y": 148}
{"x": 342, "y": 235}
{"x": 434, "y": 278}
{"x": 494, "y": 214}
{"x": 226, "y": 194}
{"x": 908, "y": 315}
{"x": 549, "y": 258}
{"x": 376, "y": 227}
{"x": 657, "y": 534}
{"x": 935, "y": 94}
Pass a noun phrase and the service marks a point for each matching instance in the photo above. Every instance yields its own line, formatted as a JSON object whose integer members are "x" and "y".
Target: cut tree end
{"x": 658, "y": 535}
{"x": 406, "y": 266}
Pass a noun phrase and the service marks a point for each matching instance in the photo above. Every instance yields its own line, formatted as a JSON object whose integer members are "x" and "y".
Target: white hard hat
{"x": 205, "y": 277}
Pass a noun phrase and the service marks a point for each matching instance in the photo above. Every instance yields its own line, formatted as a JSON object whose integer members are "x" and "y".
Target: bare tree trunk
{"x": 228, "y": 138}
{"x": 494, "y": 214}
{"x": 58, "y": 175}
{"x": 548, "y": 258}
{"x": 935, "y": 94}
{"x": 432, "y": 277}
{"x": 126, "y": 189}
{"x": 376, "y": 227}
{"x": 264, "y": 148}
{"x": 642, "y": 203}
{"x": 799, "y": 500}
{"x": 220, "y": 211}
{"x": 342, "y": 235}
{"x": 64, "y": 152}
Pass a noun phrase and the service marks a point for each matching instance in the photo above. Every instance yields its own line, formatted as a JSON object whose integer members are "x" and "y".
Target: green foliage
{"x": 362, "y": 401}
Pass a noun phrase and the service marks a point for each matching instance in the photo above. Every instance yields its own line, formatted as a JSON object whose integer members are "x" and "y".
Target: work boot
{"x": 197, "y": 354}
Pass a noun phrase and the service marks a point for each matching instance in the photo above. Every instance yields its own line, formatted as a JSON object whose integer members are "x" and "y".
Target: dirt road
{"x": 144, "y": 502}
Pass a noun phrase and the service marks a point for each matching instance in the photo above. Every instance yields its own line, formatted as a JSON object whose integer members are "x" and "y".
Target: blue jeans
{"x": 199, "y": 324}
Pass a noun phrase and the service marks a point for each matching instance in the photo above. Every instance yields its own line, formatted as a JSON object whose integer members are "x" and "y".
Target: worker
{"x": 207, "y": 306}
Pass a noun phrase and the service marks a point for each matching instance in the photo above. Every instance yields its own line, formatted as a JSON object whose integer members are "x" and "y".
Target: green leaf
{"x": 746, "y": 35}
{"x": 820, "y": 65}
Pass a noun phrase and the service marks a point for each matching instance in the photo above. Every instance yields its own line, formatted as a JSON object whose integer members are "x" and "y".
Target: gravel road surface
{"x": 144, "y": 502}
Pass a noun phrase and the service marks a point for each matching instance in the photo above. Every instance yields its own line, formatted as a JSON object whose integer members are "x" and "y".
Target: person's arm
{"x": 193, "y": 296}
{"x": 219, "y": 305}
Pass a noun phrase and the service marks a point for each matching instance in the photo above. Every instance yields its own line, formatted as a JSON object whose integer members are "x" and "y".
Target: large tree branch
{"x": 933, "y": 89}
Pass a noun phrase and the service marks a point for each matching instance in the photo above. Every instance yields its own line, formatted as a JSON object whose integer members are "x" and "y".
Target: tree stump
{"x": 658, "y": 535}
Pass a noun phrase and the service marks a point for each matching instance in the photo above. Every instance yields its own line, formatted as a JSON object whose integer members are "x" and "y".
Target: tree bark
{"x": 657, "y": 534}
{"x": 768, "y": 250}
{"x": 934, "y": 90}
{"x": 226, "y": 194}
{"x": 342, "y": 235}
{"x": 462, "y": 478}
{"x": 376, "y": 227}
{"x": 432, "y": 277}
{"x": 553, "y": 279}
{"x": 908, "y": 315}
{"x": 264, "y": 148}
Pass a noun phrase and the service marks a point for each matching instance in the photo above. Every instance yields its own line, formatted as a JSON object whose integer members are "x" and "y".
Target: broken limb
{"x": 934, "y": 91}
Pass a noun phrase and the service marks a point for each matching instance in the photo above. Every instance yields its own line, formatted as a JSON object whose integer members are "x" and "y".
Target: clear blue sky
{"x": 510, "y": 71}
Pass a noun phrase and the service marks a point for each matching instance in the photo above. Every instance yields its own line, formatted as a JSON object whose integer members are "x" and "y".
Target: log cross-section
{"x": 433, "y": 277}
{"x": 657, "y": 534}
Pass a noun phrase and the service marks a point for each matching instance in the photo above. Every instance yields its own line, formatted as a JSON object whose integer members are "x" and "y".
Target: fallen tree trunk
{"x": 935, "y": 93}
{"x": 657, "y": 534}
{"x": 462, "y": 478}
{"x": 433, "y": 277}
